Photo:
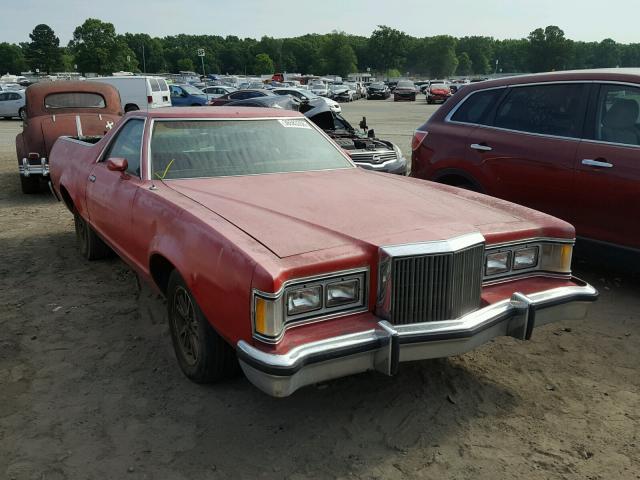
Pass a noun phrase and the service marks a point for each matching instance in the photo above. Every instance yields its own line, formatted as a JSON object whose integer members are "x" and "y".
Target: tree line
{"x": 96, "y": 48}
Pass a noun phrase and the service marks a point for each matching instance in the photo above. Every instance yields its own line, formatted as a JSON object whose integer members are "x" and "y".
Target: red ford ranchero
{"x": 259, "y": 231}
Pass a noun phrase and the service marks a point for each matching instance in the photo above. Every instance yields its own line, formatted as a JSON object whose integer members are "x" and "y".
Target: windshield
{"x": 439, "y": 86}
{"x": 74, "y": 100}
{"x": 405, "y": 84}
{"x": 222, "y": 148}
{"x": 318, "y": 86}
{"x": 377, "y": 85}
{"x": 192, "y": 90}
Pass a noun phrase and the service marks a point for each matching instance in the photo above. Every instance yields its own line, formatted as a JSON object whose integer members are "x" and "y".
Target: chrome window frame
{"x": 120, "y": 126}
{"x": 318, "y": 315}
{"x": 245, "y": 119}
{"x": 581, "y": 138}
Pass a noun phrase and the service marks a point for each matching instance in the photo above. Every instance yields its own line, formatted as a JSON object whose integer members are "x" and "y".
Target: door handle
{"x": 480, "y": 147}
{"x": 92, "y": 178}
{"x": 601, "y": 163}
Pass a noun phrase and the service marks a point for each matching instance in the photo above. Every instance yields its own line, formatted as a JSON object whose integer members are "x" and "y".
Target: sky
{"x": 580, "y": 19}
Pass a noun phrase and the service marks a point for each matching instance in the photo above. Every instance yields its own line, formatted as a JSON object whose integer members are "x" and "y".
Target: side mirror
{"x": 117, "y": 164}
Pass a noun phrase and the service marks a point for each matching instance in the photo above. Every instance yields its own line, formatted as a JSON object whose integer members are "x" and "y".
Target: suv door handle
{"x": 92, "y": 178}
{"x": 480, "y": 147}
{"x": 600, "y": 163}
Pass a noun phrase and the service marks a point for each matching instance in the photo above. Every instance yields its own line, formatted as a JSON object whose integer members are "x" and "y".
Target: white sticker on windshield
{"x": 295, "y": 124}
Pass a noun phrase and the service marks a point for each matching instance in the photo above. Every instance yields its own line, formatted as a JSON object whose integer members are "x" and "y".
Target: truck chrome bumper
{"x": 382, "y": 348}
{"x": 27, "y": 169}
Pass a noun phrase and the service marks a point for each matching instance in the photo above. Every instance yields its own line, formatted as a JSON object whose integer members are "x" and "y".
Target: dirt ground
{"x": 89, "y": 388}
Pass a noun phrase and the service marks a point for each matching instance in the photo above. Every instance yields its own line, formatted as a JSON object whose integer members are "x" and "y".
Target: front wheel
{"x": 91, "y": 245}
{"x": 203, "y": 356}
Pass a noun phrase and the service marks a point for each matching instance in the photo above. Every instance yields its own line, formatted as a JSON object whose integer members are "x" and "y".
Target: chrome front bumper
{"x": 26, "y": 169}
{"x": 382, "y": 348}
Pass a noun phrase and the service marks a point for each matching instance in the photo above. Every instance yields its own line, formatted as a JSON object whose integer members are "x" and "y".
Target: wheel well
{"x": 66, "y": 198}
{"x": 459, "y": 180}
{"x": 129, "y": 107}
{"x": 160, "y": 269}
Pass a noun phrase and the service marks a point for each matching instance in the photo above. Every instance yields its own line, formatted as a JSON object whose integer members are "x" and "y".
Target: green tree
{"x": 465, "y": 66}
{"x": 43, "y": 52}
{"x": 389, "y": 48}
{"x": 480, "y": 51}
{"x": 148, "y": 51}
{"x": 185, "y": 64}
{"x": 97, "y": 48}
{"x": 607, "y": 54}
{"x": 548, "y": 49}
{"x": 11, "y": 59}
{"x": 512, "y": 55}
{"x": 263, "y": 64}
{"x": 339, "y": 55}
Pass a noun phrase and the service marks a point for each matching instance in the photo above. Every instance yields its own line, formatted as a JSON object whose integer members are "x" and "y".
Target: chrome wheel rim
{"x": 185, "y": 326}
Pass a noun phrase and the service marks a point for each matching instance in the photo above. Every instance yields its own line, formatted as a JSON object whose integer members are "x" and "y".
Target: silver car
{"x": 12, "y": 104}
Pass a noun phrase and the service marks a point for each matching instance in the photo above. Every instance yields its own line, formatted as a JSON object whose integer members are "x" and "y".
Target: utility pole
{"x": 201, "y": 55}
{"x": 144, "y": 61}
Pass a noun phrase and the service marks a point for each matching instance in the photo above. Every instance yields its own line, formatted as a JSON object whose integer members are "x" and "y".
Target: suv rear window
{"x": 163, "y": 85}
{"x": 74, "y": 100}
{"x": 477, "y": 107}
{"x": 155, "y": 87}
{"x": 554, "y": 109}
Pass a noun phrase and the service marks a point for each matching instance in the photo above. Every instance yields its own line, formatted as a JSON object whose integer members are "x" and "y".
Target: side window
{"x": 155, "y": 86}
{"x": 163, "y": 85}
{"x": 239, "y": 95}
{"x": 477, "y": 107}
{"x": 175, "y": 91}
{"x": 617, "y": 114}
{"x": 4, "y": 97}
{"x": 554, "y": 109}
{"x": 127, "y": 145}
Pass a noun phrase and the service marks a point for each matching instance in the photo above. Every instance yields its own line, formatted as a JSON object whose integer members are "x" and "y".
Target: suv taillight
{"x": 418, "y": 137}
{"x": 149, "y": 99}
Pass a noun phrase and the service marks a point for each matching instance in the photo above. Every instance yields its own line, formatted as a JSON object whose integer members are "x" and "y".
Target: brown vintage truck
{"x": 53, "y": 109}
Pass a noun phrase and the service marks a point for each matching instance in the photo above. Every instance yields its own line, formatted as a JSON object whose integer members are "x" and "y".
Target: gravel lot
{"x": 91, "y": 390}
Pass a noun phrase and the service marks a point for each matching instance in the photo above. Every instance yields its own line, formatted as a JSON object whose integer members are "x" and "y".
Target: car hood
{"x": 296, "y": 213}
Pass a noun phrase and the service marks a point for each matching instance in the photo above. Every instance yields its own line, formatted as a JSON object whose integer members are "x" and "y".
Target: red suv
{"x": 565, "y": 143}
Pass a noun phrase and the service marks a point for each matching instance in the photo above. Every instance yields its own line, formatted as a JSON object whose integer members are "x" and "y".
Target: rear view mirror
{"x": 117, "y": 164}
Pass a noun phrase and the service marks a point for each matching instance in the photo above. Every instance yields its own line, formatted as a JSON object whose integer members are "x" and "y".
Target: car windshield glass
{"x": 377, "y": 85}
{"x": 221, "y": 148}
{"x": 405, "y": 85}
{"x": 163, "y": 85}
{"x": 192, "y": 90}
{"x": 317, "y": 85}
{"x": 74, "y": 100}
{"x": 439, "y": 86}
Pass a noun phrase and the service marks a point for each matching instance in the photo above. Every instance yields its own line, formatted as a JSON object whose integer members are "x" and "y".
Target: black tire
{"x": 203, "y": 355}
{"x": 131, "y": 108}
{"x": 91, "y": 245}
{"x": 462, "y": 183}
{"x": 22, "y": 113}
{"x": 30, "y": 184}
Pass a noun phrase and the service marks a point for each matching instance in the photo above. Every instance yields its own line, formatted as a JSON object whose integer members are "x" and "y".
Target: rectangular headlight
{"x": 498, "y": 262}
{"x": 304, "y": 300}
{"x": 341, "y": 293}
{"x": 525, "y": 258}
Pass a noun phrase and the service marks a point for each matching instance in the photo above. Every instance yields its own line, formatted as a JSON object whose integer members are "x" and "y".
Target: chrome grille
{"x": 442, "y": 286}
{"x": 373, "y": 157}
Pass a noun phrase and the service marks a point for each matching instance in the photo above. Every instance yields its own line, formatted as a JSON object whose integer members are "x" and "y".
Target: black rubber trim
{"x": 308, "y": 360}
{"x": 394, "y": 361}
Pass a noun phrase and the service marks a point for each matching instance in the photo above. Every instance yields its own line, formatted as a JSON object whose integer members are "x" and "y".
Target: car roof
{"x": 215, "y": 112}
{"x": 594, "y": 74}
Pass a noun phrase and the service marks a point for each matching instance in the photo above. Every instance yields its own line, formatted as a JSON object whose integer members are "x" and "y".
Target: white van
{"x": 139, "y": 93}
